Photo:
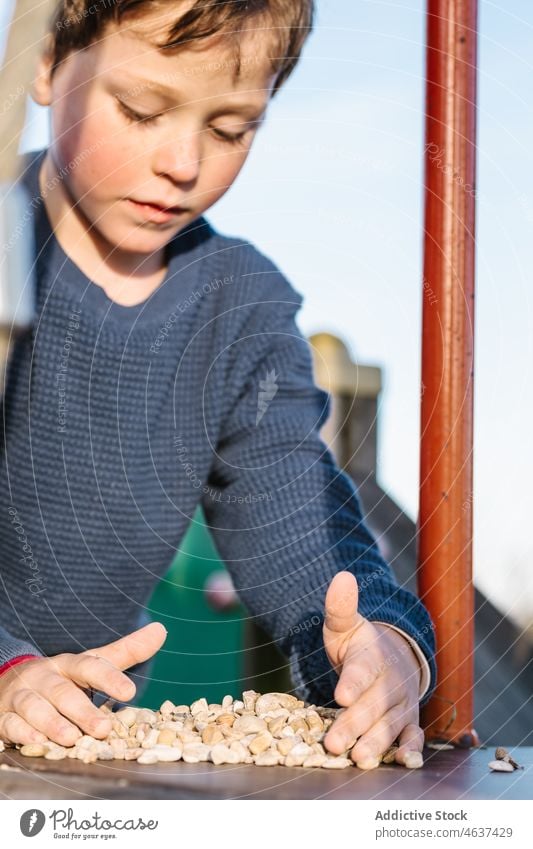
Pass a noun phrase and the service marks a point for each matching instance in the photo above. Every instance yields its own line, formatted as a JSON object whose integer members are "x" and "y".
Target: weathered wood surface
{"x": 25, "y": 40}
{"x": 458, "y": 774}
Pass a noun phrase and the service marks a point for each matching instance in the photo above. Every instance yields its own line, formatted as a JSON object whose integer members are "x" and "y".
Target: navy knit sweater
{"x": 119, "y": 421}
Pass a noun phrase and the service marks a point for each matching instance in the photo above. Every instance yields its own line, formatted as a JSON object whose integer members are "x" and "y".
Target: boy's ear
{"x": 41, "y": 89}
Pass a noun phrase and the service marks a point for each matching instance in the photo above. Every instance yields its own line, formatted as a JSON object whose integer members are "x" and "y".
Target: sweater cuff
{"x": 424, "y": 665}
{"x": 15, "y": 660}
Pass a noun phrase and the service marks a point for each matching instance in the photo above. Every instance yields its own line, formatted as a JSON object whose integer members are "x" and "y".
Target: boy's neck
{"x": 132, "y": 279}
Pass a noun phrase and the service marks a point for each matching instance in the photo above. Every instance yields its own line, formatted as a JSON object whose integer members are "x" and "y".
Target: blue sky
{"x": 332, "y": 192}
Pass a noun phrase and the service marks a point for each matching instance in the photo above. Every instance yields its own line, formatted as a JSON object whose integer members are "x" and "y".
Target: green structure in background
{"x": 204, "y": 652}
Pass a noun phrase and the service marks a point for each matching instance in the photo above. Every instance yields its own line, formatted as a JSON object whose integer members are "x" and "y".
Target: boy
{"x": 165, "y": 369}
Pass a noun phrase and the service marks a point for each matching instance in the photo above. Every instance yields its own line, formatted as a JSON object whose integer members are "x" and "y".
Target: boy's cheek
{"x": 93, "y": 165}
{"x": 88, "y": 137}
{"x": 221, "y": 172}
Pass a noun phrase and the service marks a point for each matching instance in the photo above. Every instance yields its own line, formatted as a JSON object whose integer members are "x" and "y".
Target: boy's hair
{"x": 76, "y": 24}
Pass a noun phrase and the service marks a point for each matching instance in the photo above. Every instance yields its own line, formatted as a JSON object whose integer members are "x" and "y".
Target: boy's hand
{"x": 43, "y": 698}
{"x": 378, "y": 685}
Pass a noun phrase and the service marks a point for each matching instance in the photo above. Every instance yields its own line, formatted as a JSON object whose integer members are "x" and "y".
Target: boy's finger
{"x": 133, "y": 648}
{"x": 355, "y": 679}
{"x": 98, "y": 673}
{"x": 72, "y": 703}
{"x": 15, "y": 729}
{"x": 37, "y": 711}
{"x": 370, "y": 746}
{"x": 411, "y": 740}
{"x": 361, "y": 717}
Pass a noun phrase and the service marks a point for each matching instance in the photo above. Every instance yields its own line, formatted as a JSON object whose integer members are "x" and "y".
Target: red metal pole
{"x": 446, "y": 451}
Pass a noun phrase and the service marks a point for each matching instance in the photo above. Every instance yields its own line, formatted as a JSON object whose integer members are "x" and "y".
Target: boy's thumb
{"x": 133, "y": 648}
{"x": 341, "y": 603}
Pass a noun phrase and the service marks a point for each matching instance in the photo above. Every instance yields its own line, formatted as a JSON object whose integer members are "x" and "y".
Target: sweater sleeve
{"x": 285, "y": 519}
{"x": 11, "y": 647}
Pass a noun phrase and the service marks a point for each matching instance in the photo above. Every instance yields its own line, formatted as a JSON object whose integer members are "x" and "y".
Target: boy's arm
{"x": 284, "y": 518}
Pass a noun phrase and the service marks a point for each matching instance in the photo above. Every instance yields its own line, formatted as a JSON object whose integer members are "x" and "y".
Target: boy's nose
{"x": 178, "y": 159}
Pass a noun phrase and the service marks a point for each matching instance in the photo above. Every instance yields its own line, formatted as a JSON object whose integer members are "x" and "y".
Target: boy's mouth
{"x": 155, "y": 211}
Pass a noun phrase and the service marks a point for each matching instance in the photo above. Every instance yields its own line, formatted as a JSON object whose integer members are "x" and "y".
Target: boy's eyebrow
{"x": 139, "y": 84}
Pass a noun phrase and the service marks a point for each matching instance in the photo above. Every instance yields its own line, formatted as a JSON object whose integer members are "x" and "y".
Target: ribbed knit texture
{"x": 119, "y": 421}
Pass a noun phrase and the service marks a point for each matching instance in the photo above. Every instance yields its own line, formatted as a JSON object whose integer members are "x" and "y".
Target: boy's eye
{"x": 231, "y": 138}
{"x": 131, "y": 115}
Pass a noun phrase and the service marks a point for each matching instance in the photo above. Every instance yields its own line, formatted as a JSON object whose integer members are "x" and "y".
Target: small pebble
{"x": 301, "y": 750}
{"x": 294, "y": 760}
{"x": 145, "y": 715}
{"x": 337, "y": 763}
{"x": 193, "y": 753}
{"x": 268, "y": 758}
{"x": 199, "y": 706}
{"x": 503, "y": 755}
{"x": 106, "y": 754}
{"x": 127, "y": 716}
{"x": 212, "y": 735}
{"x": 250, "y": 724}
{"x": 150, "y": 739}
{"x": 261, "y": 743}
{"x": 148, "y": 757}
{"x": 133, "y": 754}
{"x": 167, "y": 754}
{"x": 221, "y": 754}
{"x": 389, "y": 756}
{"x": 166, "y": 737}
{"x": 34, "y": 750}
{"x": 501, "y": 766}
{"x": 57, "y": 753}
{"x": 287, "y": 743}
{"x": 242, "y": 751}
{"x": 314, "y": 760}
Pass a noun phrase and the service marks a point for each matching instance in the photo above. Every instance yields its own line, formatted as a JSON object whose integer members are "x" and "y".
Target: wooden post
{"x": 26, "y": 31}
{"x": 28, "y": 26}
{"x": 446, "y": 454}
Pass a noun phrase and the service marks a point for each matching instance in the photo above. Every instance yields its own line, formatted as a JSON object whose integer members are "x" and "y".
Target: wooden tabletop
{"x": 458, "y": 774}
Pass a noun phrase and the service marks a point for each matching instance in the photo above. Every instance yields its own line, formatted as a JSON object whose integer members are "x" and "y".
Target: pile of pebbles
{"x": 274, "y": 729}
{"x": 504, "y": 762}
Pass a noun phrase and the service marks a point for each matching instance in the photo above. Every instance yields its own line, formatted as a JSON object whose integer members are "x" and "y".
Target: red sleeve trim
{"x": 15, "y": 660}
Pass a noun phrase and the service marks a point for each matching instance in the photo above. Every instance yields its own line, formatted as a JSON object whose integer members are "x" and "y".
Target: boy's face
{"x": 187, "y": 156}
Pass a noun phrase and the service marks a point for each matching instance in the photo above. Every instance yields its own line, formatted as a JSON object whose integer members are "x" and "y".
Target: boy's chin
{"x": 127, "y": 238}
